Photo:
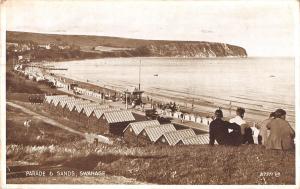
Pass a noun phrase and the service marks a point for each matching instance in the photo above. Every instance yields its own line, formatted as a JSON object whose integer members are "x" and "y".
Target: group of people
{"x": 274, "y": 132}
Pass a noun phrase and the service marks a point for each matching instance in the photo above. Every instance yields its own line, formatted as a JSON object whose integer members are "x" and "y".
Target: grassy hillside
{"x": 142, "y": 47}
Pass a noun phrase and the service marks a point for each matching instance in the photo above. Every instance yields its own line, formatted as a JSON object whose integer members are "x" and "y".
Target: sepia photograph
{"x": 149, "y": 93}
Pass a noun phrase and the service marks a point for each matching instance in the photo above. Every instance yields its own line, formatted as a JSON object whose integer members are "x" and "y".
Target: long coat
{"x": 281, "y": 135}
{"x": 263, "y": 130}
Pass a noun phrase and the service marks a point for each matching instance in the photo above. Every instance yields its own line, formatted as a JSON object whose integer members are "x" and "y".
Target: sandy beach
{"x": 257, "y": 108}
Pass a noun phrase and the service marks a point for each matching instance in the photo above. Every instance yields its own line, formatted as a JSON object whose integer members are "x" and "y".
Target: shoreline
{"x": 201, "y": 105}
{"x": 162, "y": 57}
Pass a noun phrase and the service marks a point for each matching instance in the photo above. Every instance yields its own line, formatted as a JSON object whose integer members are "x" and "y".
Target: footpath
{"x": 55, "y": 123}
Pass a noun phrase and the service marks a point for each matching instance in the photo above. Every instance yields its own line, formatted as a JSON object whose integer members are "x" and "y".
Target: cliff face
{"x": 139, "y": 47}
{"x": 200, "y": 49}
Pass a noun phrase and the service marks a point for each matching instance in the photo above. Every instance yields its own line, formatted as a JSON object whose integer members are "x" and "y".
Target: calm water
{"x": 262, "y": 81}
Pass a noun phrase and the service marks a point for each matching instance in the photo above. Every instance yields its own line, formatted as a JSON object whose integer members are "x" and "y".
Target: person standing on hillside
{"x": 246, "y": 131}
{"x": 218, "y": 131}
{"x": 281, "y": 133}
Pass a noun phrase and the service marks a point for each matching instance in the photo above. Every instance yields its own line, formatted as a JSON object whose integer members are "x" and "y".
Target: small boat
{"x": 155, "y": 75}
{"x": 272, "y": 76}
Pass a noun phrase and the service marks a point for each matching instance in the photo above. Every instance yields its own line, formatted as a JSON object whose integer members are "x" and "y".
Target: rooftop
{"x": 174, "y": 137}
{"x": 137, "y": 127}
{"x": 198, "y": 139}
{"x": 119, "y": 116}
{"x": 154, "y": 132}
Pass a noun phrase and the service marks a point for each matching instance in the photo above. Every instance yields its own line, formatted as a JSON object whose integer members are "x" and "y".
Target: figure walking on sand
{"x": 281, "y": 133}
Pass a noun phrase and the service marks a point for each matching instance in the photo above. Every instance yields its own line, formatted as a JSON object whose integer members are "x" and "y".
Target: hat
{"x": 218, "y": 113}
{"x": 279, "y": 113}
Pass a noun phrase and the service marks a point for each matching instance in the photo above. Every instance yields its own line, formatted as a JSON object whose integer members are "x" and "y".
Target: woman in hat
{"x": 281, "y": 133}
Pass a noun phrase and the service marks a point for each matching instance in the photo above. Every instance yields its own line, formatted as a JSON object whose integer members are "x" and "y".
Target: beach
{"x": 260, "y": 85}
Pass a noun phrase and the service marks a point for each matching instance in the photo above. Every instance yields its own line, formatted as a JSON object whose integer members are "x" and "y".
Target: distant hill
{"x": 138, "y": 47}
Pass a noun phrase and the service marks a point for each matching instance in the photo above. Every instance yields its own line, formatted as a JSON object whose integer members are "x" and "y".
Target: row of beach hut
{"x": 103, "y": 119}
{"x": 97, "y": 118}
{"x": 88, "y": 92}
{"x": 189, "y": 117}
{"x": 34, "y": 73}
{"x": 152, "y": 132}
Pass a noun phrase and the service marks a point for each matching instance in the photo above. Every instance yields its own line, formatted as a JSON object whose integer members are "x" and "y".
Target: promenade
{"x": 187, "y": 124}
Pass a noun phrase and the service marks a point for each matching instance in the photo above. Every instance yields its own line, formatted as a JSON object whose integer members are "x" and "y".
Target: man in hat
{"x": 246, "y": 131}
{"x": 281, "y": 133}
{"x": 218, "y": 131}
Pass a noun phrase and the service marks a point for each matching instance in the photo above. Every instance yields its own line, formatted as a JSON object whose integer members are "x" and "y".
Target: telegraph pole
{"x": 140, "y": 75}
{"x": 126, "y": 103}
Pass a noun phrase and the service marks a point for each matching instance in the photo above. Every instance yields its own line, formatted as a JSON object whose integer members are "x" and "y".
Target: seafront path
{"x": 187, "y": 124}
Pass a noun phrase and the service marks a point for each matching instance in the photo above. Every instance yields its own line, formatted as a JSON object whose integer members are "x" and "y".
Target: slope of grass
{"x": 200, "y": 164}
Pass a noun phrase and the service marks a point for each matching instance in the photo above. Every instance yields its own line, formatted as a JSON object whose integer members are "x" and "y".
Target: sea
{"x": 266, "y": 83}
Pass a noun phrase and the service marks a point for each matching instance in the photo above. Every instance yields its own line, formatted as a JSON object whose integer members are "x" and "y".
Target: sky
{"x": 263, "y": 28}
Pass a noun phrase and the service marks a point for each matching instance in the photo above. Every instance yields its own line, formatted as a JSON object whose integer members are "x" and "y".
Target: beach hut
{"x": 186, "y": 117}
{"x": 177, "y": 115}
{"x": 150, "y": 135}
{"x": 139, "y": 117}
{"x": 61, "y": 105}
{"x": 114, "y": 122}
{"x": 209, "y": 120}
{"x": 87, "y": 109}
{"x": 79, "y": 108}
{"x": 204, "y": 121}
{"x": 70, "y": 105}
{"x": 74, "y": 113}
{"x": 193, "y": 118}
{"x": 173, "y": 137}
{"x": 132, "y": 131}
{"x": 64, "y": 105}
{"x": 198, "y": 119}
{"x": 63, "y": 102}
{"x": 54, "y": 103}
{"x": 48, "y": 100}
{"x": 194, "y": 140}
{"x": 96, "y": 114}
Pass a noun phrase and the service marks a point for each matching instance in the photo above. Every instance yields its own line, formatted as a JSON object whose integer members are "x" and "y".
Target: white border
{"x": 3, "y": 94}
{"x": 297, "y": 88}
{"x": 79, "y": 186}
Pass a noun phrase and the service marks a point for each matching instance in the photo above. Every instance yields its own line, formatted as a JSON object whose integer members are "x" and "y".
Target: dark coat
{"x": 281, "y": 135}
{"x": 218, "y": 130}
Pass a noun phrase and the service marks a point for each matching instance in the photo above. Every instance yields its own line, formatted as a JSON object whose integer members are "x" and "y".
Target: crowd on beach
{"x": 274, "y": 132}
